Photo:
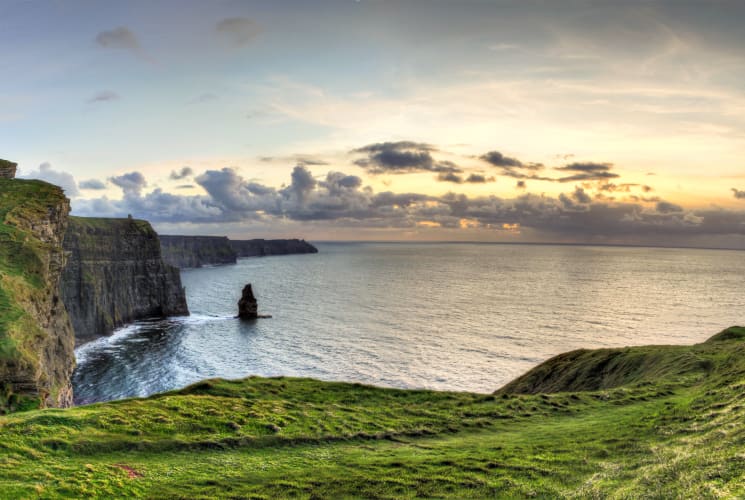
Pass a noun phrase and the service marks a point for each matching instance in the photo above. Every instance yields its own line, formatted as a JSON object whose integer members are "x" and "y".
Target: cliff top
{"x": 668, "y": 438}
{"x": 109, "y": 223}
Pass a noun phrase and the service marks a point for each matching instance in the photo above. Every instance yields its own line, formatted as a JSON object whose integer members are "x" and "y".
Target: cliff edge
{"x": 196, "y": 251}
{"x": 263, "y": 248}
{"x": 115, "y": 274}
{"x": 36, "y": 338}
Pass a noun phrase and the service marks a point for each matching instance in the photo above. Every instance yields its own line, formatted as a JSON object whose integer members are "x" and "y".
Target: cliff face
{"x": 36, "y": 338}
{"x": 196, "y": 251}
{"x": 115, "y": 274}
{"x": 262, "y": 248}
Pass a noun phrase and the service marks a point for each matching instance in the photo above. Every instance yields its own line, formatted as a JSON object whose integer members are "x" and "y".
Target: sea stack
{"x": 247, "y": 307}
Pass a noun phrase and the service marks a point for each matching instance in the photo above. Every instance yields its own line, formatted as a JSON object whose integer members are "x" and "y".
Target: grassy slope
{"x": 671, "y": 429}
{"x": 22, "y": 276}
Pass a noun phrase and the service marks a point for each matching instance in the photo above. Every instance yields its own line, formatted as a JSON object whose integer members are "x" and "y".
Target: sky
{"x": 513, "y": 121}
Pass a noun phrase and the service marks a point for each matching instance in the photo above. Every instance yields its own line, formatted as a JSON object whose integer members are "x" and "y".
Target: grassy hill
{"x": 656, "y": 422}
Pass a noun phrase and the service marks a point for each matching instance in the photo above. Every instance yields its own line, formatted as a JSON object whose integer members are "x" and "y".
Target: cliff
{"x": 115, "y": 274}
{"x": 36, "y": 338}
{"x": 262, "y": 248}
{"x": 196, "y": 251}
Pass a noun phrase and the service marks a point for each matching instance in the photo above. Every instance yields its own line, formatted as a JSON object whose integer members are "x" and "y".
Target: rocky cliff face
{"x": 115, "y": 274}
{"x": 36, "y": 338}
{"x": 196, "y": 251}
{"x": 262, "y": 248}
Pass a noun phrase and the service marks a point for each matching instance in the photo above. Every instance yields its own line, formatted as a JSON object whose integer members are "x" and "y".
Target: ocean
{"x": 446, "y": 316}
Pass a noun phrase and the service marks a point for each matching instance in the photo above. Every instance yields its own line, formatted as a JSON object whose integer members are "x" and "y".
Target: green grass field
{"x": 654, "y": 422}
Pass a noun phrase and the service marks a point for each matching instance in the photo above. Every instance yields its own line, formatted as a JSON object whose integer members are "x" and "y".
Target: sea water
{"x": 463, "y": 317}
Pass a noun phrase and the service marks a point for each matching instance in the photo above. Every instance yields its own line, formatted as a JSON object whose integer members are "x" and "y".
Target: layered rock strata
{"x": 197, "y": 251}
{"x": 115, "y": 275}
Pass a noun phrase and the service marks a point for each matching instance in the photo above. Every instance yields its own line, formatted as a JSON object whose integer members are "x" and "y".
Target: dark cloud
{"x": 45, "y": 172}
{"x": 580, "y": 196}
{"x": 233, "y": 195}
{"x": 521, "y": 185}
{"x": 499, "y": 160}
{"x": 131, "y": 183}
{"x": 577, "y": 201}
{"x": 450, "y": 177}
{"x": 479, "y": 179}
{"x": 93, "y": 184}
{"x": 104, "y": 96}
{"x": 118, "y": 38}
{"x": 302, "y": 182}
{"x": 181, "y": 174}
{"x": 459, "y": 179}
{"x": 740, "y": 195}
{"x": 512, "y": 167}
{"x": 237, "y": 31}
{"x": 665, "y": 207}
{"x": 586, "y": 172}
{"x": 185, "y": 186}
{"x": 402, "y": 157}
{"x": 305, "y": 160}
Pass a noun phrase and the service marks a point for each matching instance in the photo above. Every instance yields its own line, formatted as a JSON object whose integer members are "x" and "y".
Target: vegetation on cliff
{"x": 36, "y": 358}
{"x": 657, "y": 422}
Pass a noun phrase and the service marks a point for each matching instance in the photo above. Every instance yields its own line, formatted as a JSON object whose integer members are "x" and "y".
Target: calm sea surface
{"x": 444, "y": 316}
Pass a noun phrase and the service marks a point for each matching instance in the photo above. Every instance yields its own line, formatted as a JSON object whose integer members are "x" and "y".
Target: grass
{"x": 24, "y": 274}
{"x": 672, "y": 428}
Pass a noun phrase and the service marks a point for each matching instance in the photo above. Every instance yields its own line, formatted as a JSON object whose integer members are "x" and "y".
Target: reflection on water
{"x": 444, "y": 316}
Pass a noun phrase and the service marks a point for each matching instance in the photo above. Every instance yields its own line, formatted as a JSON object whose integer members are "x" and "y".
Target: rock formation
{"x": 196, "y": 251}
{"x": 115, "y": 275}
{"x": 7, "y": 169}
{"x": 262, "y": 248}
{"x": 247, "y": 306}
{"x": 36, "y": 338}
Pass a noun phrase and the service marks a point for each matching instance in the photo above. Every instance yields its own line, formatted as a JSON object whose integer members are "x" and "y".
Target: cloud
{"x": 131, "y": 183}
{"x": 740, "y": 195}
{"x": 521, "y": 185}
{"x": 580, "y": 196}
{"x": 665, "y": 207}
{"x": 305, "y": 160}
{"x": 340, "y": 199}
{"x": 93, "y": 184}
{"x": 587, "y": 172}
{"x": 104, "y": 96}
{"x": 45, "y": 172}
{"x": 512, "y": 167}
{"x": 459, "y": 179}
{"x": 401, "y": 158}
{"x": 118, "y": 38}
{"x": 181, "y": 174}
{"x": 499, "y": 160}
{"x": 237, "y": 31}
